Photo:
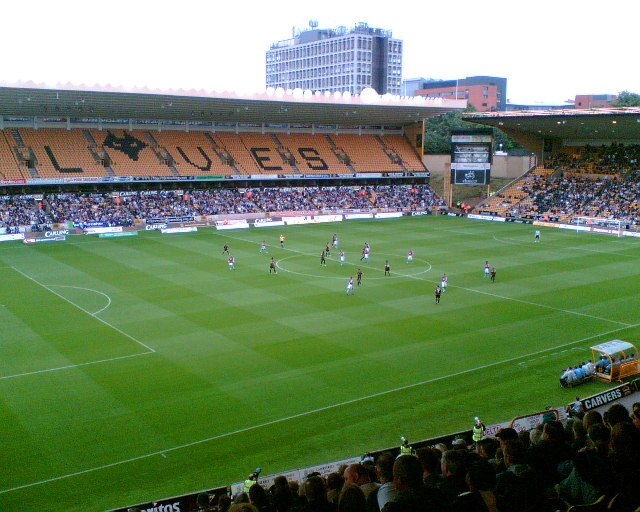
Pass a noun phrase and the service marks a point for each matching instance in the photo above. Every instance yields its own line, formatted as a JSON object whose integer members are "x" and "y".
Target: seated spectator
{"x": 242, "y": 507}
{"x": 635, "y": 415}
{"x": 359, "y": 475}
{"x": 481, "y": 480}
{"x": 518, "y": 488}
{"x": 590, "y": 418}
{"x": 547, "y": 456}
{"x": 412, "y": 495}
{"x": 624, "y": 454}
{"x": 316, "y": 497}
{"x": 352, "y": 499}
{"x": 617, "y": 413}
{"x": 335, "y": 482}
{"x": 259, "y": 498}
{"x": 386, "y": 491}
{"x": 430, "y": 460}
{"x": 587, "y": 481}
{"x": 224, "y": 503}
{"x": 454, "y": 470}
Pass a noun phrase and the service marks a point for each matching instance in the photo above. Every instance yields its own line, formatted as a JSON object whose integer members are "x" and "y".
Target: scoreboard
{"x": 471, "y": 156}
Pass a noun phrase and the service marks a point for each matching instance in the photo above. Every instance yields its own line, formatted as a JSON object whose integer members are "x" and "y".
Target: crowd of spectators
{"x": 612, "y": 159}
{"x": 21, "y": 210}
{"x": 616, "y": 198}
{"x": 123, "y": 209}
{"x": 589, "y": 181}
{"x": 557, "y": 465}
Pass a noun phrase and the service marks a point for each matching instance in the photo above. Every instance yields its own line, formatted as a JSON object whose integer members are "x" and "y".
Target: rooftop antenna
{"x": 313, "y": 23}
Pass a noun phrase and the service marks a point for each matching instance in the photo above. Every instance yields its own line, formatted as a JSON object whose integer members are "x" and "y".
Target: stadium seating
{"x": 130, "y": 153}
{"x": 57, "y": 153}
{"x": 9, "y": 167}
{"x": 61, "y": 153}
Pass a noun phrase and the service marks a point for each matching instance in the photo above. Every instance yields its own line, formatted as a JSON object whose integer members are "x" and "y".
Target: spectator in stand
{"x": 617, "y": 413}
{"x": 411, "y": 495}
{"x": 224, "y": 503}
{"x": 335, "y": 482}
{"x": 481, "y": 480}
{"x": 203, "y": 502}
{"x": 316, "y": 497}
{"x": 590, "y": 418}
{"x": 587, "y": 481}
{"x": 518, "y": 488}
{"x": 635, "y": 415}
{"x": 454, "y": 471}
{"x": 387, "y": 491}
{"x": 242, "y": 507}
{"x": 547, "y": 456}
{"x": 430, "y": 460}
{"x": 359, "y": 475}
{"x": 599, "y": 437}
{"x": 535, "y": 436}
{"x": 352, "y": 499}
{"x": 624, "y": 454}
{"x": 487, "y": 447}
{"x": 259, "y": 498}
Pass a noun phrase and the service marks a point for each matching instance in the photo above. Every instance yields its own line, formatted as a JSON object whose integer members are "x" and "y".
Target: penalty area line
{"x": 69, "y": 366}
{"x": 93, "y": 315}
{"x": 309, "y": 413}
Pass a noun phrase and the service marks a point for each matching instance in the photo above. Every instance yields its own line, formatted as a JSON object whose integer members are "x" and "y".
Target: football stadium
{"x": 262, "y": 300}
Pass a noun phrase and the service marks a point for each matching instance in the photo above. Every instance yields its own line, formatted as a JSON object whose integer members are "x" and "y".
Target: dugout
{"x": 615, "y": 360}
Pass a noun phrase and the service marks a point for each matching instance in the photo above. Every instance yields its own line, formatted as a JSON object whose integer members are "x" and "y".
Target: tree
{"x": 437, "y": 133}
{"x": 627, "y": 99}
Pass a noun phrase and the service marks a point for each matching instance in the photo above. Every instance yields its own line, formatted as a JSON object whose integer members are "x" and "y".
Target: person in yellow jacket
{"x": 478, "y": 430}
{"x": 251, "y": 480}
{"x": 405, "y": 447}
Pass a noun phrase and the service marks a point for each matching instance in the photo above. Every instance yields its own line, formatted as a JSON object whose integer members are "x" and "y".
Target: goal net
{"x": 599, "y": 225}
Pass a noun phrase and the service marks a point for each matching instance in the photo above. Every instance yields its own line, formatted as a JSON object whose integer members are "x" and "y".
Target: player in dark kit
{"x": 493, "y": 274}
{"x": 438, "y": 294}
{"x": 327, "y": 249}
{"x": 359, "y": 277}
{"x": 323, "y": 261}
{"x": 272, "y": 266}
{"x": 225, "y": 249}
{"x": 387, "y": 268}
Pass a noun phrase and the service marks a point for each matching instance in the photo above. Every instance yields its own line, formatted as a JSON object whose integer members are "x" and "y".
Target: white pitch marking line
{"x": 571, "y": 248}
{"x": 69, "y": 366}
{"x": 394, "y": 275}
{"x": 84, "y": 310}
{"x": 526, "y": 363}
{"x": 87, "y": 289}
{"x": 307, "y": 413}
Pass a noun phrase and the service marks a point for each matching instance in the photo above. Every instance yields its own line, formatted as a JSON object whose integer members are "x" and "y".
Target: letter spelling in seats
{"x": 128, "y": 144}
{"x": 55, "y": 163}
{"x": 188, "y": 160}
{"x": 262, "y": 159}
{"x": 312, "y": 157}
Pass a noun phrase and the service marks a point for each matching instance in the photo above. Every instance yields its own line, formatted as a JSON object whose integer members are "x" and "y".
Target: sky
{"x": 549, "y": 51}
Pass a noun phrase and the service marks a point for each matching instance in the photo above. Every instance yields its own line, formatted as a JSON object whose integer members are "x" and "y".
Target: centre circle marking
{"x": 355, "y": 265}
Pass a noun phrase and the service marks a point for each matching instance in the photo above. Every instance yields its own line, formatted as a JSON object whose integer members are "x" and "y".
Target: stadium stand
{"x": 123, "y": 210}
{"x": 130, "y": 153}
{"x": 590, "y": 184}
{"x": 9, "y": 166}
{"x": 53, "y": 153}
{"x": 61, "y": 152}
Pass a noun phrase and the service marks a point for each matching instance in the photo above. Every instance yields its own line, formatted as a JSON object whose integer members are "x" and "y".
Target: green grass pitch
{"x": 142, "y": 367}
